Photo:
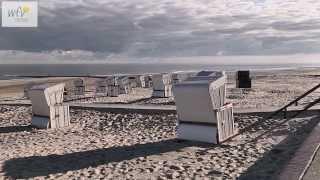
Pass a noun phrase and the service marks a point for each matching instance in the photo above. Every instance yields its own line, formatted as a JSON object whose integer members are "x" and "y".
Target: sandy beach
{"x": 105, "y": 145}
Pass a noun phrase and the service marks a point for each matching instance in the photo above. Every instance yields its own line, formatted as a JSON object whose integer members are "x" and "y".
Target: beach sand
{"x": 102, "y": 145}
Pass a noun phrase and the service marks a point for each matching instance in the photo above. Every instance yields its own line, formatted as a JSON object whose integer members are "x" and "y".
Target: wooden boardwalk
{"x": 152, "y": 108}
{"x": 126, "y": 108}
{"x": 306, "y": 161}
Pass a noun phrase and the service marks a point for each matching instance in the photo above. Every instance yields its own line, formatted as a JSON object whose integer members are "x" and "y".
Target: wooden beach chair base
{"x": 59, "y": 118}
{"x": 209, "y": 132}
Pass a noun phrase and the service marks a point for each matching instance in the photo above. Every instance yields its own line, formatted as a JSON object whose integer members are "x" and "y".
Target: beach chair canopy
{"x": 198, "y": 97}
{"x": 43, "y": 96}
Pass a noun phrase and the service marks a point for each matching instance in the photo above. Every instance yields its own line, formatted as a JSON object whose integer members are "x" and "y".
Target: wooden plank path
{"x": 125, "y": 108}
{"x": 147, "y": 108}
{"x": 313, "y": 171}
{"x": 304, "y": 163}
{"x": 296, "y": 101}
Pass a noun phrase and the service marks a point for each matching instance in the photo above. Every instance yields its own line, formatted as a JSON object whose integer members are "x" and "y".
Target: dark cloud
{"x": 67, "y": 30}
{"x": 296, "y": 26}
{"x": 162, "y": 29}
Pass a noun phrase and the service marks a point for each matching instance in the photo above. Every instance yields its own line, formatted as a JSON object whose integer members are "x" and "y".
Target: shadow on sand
{"x": 13, "y": 129}
{"x": 34, "y": 166}
{"x": 273, "y": 162}
{"x": 29, "y": 167}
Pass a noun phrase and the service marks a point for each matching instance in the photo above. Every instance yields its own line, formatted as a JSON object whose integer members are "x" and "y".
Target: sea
{"x": 14, "y": 71}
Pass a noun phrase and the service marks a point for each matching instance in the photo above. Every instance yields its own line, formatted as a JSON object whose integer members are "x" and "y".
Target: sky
{"x": 142, "y": 29}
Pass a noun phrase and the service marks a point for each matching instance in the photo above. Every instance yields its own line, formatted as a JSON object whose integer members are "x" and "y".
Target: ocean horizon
{"x": 10, "y": 71}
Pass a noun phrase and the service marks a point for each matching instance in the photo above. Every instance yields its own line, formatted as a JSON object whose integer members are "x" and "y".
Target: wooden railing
{"x": 295, "y": 102}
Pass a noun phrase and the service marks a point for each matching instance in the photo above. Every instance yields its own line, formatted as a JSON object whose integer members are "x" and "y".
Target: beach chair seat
{"x": 209, "y": 132}
{"x": 58, "y": 117}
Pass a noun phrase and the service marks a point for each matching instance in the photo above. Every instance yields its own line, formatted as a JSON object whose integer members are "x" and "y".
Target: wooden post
{"x": 285, "y": 113}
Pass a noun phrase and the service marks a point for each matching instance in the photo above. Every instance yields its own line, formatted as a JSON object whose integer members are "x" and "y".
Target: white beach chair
{"x": 162, "y": 85}
{"x": 47, "y": 106}
{"x": 138, "y": 81}
{"x": 148, "y": 81}
{"x": 141, "y": 81}
{"x": 79, "y": 87}
{"x": 243, "y": 80}
{"x": 101, "y": 86}
{"x": 133, "y": 81}
{"x": 125, "y": 84}
{"x": 113, "y": 86}
{"x": 113, "y": 91}
{"x": 179, "y": 77}
{"x": 202, "y": 113}
{"x": 78, "y": 82}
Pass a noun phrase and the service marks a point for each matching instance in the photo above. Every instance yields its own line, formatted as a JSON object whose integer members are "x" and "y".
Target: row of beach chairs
{"x": 111, "y": 86}
{"x": 203, "y": 114}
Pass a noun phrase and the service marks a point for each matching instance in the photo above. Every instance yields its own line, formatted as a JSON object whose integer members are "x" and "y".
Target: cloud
{"x": 166, "y": 28}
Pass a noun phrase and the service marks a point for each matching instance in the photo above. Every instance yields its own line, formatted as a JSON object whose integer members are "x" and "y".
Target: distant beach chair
{"x": 202, "y": 112}
{"x": 27, "y": 88}
{"x": 133, "y": 81}
{"x": 179, "y": 77}
{"x": 142, "y": 79}
{"x": 148, "y": 81}
{"x": 162, "y": 85}
{"x": 138, "y": 81}
{"x": 243, "y": 79}
{"x": 113, "y": 91}
{"x": 126, "y": 84}
{"x": 47, "y": 106}
{"x": 113, "y": 86}
{"x": 101, "y": 87}
{"x": 79, "y": 87}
